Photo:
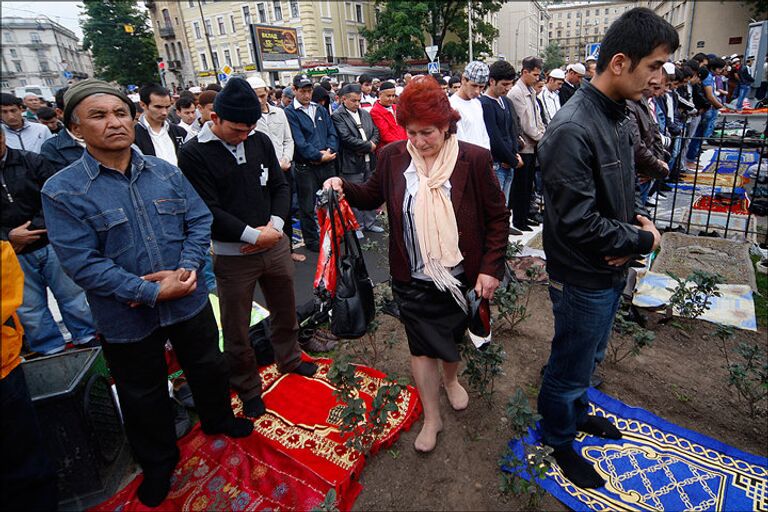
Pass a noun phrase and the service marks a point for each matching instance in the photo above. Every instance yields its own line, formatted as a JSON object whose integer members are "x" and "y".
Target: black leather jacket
{"x": 590, "y": 195}
{"x": 352, "y": 147}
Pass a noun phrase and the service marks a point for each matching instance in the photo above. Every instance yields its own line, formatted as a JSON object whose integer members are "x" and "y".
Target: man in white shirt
{"x": 550, "y": 96}
{"x": 471, "y": 126}
{"x": 185, "y": 108}
{"x": 154, "y": 134}
{"x": 367, "y": 99}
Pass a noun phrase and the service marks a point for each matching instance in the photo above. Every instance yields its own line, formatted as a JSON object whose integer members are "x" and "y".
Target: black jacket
{"x": 23, "y": 175}
{"x": 646, "y": 140}
{"x": 587, "y": 164}
{"x": 144, "y": 140}
{"x": 566, "y": 91}
{"x": 234, "y": 193}
{"x": 352, "y": 147}
{"x": 502, "y": 127}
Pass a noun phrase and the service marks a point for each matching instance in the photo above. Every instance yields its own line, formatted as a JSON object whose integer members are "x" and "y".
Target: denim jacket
{"x": 109, "y": 230}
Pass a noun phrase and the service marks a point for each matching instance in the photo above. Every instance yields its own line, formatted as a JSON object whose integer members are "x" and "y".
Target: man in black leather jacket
{"x": 594, "y": 224}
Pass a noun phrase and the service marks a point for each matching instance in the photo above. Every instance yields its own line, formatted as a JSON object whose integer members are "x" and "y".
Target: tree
{"x": 553, "y": 56}
{"x": 119, "y": 37}
{"x": 759, "y": 8}
{"x": 405, "y": 28}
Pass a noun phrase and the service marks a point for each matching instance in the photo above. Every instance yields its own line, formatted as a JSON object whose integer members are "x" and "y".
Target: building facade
{"x": 522, "y": 30}
{"x": 216, "y": 34}
{"x": 39, "y": 51}
{"x": 707, "y": 27}
{"x": 577, "y": 24}
{"x": 171, "y": 41}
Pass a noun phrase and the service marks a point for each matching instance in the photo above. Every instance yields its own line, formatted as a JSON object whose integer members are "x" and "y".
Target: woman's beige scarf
{"x": 435, "y": 219}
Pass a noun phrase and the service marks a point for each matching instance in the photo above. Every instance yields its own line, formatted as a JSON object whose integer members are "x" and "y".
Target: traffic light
{"x": 161, "y": 65}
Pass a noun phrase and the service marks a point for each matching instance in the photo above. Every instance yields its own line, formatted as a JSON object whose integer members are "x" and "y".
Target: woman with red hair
{"x": 448, "y": 233}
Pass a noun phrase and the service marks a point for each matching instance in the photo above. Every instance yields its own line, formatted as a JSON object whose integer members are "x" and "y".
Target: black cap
{"x": 237, "y": 102}
{"x": 301, "y": 80}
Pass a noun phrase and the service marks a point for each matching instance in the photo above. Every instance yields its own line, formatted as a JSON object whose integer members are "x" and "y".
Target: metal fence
{"x": 722, "y": 198}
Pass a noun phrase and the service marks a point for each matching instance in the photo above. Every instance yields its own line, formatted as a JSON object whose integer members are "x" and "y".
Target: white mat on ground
{"x": 734, "y": 307}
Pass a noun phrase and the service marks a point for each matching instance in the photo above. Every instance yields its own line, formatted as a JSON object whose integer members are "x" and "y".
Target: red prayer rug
{"x": 294, "y": 457}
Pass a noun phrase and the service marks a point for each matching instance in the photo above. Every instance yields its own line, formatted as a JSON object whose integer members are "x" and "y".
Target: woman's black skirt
{"x": 433, "y": 322}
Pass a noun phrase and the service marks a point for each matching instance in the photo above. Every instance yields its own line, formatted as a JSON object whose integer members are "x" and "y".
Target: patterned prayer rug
{"x": 295, "y": 456}
{"x": 658, "y": 466}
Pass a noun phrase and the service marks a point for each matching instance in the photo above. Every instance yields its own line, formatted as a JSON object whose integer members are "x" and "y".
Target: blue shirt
{"x": 109, "y": 229}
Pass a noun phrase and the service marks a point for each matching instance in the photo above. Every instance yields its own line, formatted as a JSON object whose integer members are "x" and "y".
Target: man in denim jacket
{"x": 132, "y": 232}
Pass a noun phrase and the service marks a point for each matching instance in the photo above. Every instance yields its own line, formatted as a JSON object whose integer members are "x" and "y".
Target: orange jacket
{"x": 13, "y": 291}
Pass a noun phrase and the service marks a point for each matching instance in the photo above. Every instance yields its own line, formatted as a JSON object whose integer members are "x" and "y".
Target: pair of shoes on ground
{"x": 322, "y": 340}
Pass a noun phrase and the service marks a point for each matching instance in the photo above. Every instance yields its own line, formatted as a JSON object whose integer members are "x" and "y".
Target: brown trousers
{"x": 236, "y": 278}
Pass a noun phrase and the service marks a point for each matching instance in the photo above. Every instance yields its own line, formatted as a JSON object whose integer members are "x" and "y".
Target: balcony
{"x": 167, "y": 32}
{"x": 174, "y": 65}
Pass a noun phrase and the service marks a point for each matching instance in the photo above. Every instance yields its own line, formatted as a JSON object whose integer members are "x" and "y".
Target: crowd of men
{"x": 251, "y": 183}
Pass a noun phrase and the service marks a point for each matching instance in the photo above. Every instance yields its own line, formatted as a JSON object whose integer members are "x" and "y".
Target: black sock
{"x": 305, "y": 368}
{"x": 254, "y": 407}
{"x": 576, "y": 469}
{"x": 600, "y": 427}
{"x": 153, "y": 489}
{"x": 233, "y": 427}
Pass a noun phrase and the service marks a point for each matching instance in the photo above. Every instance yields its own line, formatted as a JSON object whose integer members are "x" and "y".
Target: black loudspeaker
{"x": 81, "y": 425}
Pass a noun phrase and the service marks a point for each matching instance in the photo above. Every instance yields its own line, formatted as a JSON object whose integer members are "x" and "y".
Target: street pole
{"x": 208, "y": 40}
{"x": 469, "y": 19}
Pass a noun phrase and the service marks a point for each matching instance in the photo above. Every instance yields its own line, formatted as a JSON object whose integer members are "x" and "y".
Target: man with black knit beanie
{"x": 235, "y": 170}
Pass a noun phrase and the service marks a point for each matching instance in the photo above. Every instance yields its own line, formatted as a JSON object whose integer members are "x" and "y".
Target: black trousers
{"x": 309, "y": 179}
{"x": 522, "y": 190}
{"x": 27, "y": 475}
{"x": 141, "y": 376}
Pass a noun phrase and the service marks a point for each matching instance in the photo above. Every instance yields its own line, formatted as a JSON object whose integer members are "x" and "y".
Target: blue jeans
{"x": 742, "y": 91}
{"x": 505, "y": 179}
{"x": 583, "y": 322}
{"x": 210, "y": 278}
{"x": 645, "y": 188}
{"x": 42, "y": 270}
{"x": 704, "y": 130}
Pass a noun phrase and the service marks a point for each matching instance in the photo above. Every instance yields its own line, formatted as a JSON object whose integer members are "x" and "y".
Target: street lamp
{"x": 517, "y": 31}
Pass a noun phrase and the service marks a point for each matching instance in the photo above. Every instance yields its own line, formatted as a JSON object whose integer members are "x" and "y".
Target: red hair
{"x": 423, "y": 101}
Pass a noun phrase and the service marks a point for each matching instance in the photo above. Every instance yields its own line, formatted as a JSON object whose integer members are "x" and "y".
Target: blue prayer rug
{"x": 296, "y": 239}
{"x": 657, "y": 466}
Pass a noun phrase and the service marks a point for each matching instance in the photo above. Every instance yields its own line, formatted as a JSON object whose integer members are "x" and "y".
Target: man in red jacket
{"x": 383, "y": 114}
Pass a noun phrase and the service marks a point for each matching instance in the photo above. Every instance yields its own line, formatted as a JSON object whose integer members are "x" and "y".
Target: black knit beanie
{"x": 237, "y": 102}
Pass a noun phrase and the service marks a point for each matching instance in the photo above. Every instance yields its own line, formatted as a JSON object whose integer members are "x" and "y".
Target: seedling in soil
{"x": 750, "y": 376}
{"x": 482, "y": 367}
{"x": 691, "y": 297}
{"x": 628, "y": 339}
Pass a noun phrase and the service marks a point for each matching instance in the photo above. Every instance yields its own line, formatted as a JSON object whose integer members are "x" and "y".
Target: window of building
{"x": 596, "y": 30}
{"x": 325, "y": 9}
{"x": 300, "y": 41}
{"x": 606, "y": 11}
{"x": 567, "y": 33}
{"x": 246, "y": 15}
{"x": 550, "y": 26}
{"x": 359, "y": 13}
{"x": 232, "y": 23}
{"x": 569, "y": 15}
{"x": 204, "y": 61}
{"x": 23, "y": 83}
{"x": 4, "y": 84}
{"x": 181, "y": 51}
{"x": 550, "y": 34}
{"x": 220, "y": 23}
{"x": 196, "y": 26}
{"x": 559, "y": 33}
{"x": 227, "y": 58}
{"x": 209, "y": 27}
{"x": 568, "y": 24}
{"x": 251, "y": 52}
{"x": 277, "y": 7}
{"x": 17, "y": 65}
{"x": 351, "y": 45}
{"x": 238, "y": 57}
{"x": 35, "y": 37}
{"x": 14, "y": 53}
{"x": 215, "y": 56}
{"x": 176, "y": 19}
{"x": 166, "y": 17}
{"x": 328, "y": 44}
{"x": 49, "y": 81}
{"x": 44, "y": 67}
{"x": 361, "y": 46}
{"x": 294, "y": 4}
{"x": 8, "y": 37}
{"x": 190, "y": 3}
{"x": 262, "y": 10}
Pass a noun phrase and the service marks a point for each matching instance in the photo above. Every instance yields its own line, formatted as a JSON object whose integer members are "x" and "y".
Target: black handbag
{"x": 352, "y": 307}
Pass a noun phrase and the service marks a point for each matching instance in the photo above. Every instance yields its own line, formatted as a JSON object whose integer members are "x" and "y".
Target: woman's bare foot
{"x": 457, "y": 396}
{"x": 298, "y": 257}
{"x": 427, "y": 438}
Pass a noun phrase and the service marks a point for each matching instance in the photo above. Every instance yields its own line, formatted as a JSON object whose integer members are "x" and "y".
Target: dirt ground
{"x": 680, "y": 378}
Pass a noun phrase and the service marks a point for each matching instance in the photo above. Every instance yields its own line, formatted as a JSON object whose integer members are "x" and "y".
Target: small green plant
{"x": 691, "y": 297}
{"x": 524, "y": 475}
{"x": 749, "y": 376}
{"x": 354, "y": 419}
{"x": 723, "y": 334}
{"x": 328, "y": 504}
{"x": 482, "y": 367}
{"x": 629, "y": 338}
